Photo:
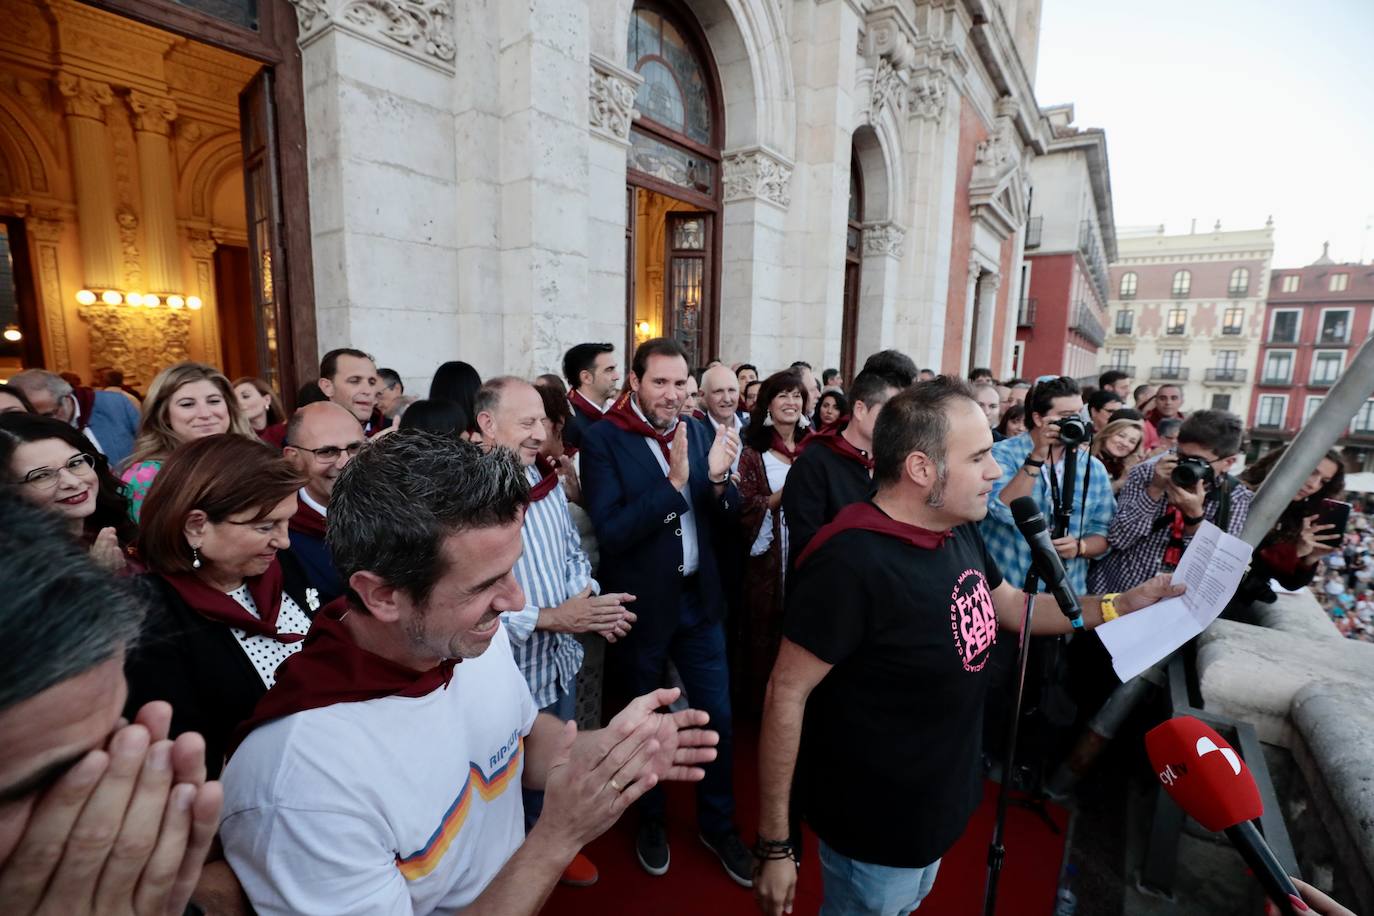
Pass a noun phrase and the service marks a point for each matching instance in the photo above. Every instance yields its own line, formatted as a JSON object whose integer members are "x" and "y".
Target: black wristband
{"x": 1031, "y": 462}
{"x": 1193, "y": 521}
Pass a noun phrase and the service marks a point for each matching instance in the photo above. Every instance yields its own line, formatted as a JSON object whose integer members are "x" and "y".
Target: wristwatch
{"x": 1108, "y": 604}
{"x": 1191, "y": 521}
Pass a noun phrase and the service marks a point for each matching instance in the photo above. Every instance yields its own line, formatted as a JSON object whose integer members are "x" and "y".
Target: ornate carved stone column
{"x": 45, "y": 233}
{"x": 758, "y": 173}
{"x": 162, "y": 255}
{"x": 85, "y": 102}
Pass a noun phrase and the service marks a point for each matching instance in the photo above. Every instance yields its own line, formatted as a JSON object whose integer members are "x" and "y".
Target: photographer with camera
{"x": 1033, "y": 464}
{"x": 1167, "y": 497}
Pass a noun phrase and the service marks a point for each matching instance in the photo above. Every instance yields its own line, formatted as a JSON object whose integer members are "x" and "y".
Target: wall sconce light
{"x": 643, "y": 328}
{"x": 13, "y": 334}
{"x": 175, "y": 302}
{"x": 151, "y": 301}
{"x": 134, "y": 299}
{"x": 193, "y": 302}
{"x": 85, "y": 297}
{"x": 112, "y": 297}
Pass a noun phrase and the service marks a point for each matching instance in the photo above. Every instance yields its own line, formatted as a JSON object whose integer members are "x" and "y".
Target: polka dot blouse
{"x": 264, "y": 652}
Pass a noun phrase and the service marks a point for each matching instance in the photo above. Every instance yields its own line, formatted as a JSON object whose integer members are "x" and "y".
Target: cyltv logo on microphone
{"x": 1202, "y": 773}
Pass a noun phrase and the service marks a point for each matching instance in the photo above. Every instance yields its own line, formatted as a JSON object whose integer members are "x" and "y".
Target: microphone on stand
{"x": 1030, "y": 521}
{"x": 1208, "y": 780}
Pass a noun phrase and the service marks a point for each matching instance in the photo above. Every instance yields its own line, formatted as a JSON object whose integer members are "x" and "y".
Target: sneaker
{"x": 651, "y": 846}
{"x": 738, "y": 861}
{"x": 580, "y": 872}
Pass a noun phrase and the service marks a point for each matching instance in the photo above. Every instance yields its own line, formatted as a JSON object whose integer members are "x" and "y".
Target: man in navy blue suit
{"x": 656, "y": 489}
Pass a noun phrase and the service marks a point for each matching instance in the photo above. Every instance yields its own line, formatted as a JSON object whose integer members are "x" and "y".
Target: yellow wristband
{"x": 1108, "y": 605}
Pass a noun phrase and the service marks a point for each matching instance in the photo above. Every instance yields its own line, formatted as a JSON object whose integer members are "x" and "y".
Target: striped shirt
{"x": 552, "y": 569}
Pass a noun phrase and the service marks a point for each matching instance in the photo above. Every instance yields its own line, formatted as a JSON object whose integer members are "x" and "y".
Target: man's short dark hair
{"x": 1174, "y": 385}
{"x": 1220, "y": 431}
{"x": 1041, "y": 397}
{"x": 1139, "y": 390}
{"x": 1100, "y": 398}
{"x": 750, "y": 366}
{"x": 801, "y": 364}
{"x": 402, "y": 496}
{"x": 975, "y": 374}
{"x": 916, "y": 420}
{"x": 1168, "y": 426}
{"x": 1111, "y": 377}
{"x": 1015, "y": 383}
{"x": 872, "y": 388}
{"x": 329, "y": 365}
{"x": 62, "y": 615}
{"x": 389, "y": 377}
{"x": 829, "y": 374}
{"x": 582, "y": 357}
{"x": 899, "y": 368}
{"x": 656, "y": 346}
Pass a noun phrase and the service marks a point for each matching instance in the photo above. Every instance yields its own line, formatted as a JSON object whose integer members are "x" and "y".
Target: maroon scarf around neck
{"x": 85, "y": 404}
{"x": 834, "y": 440}
{"x": 782, "y": 448}
{"x": 331, "y": 668}
{"x": 865, "y": 516}
{"x": 307, "y": 521}
{"x": 622, "y": 414}
{"x": 217, "y": 606}
{"x": 548, "y": 479}
{"x": 582, "y": 405}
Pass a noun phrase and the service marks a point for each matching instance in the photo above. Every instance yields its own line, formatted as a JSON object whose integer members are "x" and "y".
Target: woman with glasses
{"x": 230, "y": 604}
{"x": 51, "y": 465}
{"x": 187, "y": 401}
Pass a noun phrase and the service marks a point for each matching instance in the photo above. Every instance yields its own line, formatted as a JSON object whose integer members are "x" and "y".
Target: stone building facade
{"x": 436, "y": 179}
{"x": 1189, "y": 310}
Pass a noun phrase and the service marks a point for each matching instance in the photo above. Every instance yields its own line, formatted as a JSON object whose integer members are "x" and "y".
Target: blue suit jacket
{"x": 638, "y": 530}
{"x": 114, "y": 420}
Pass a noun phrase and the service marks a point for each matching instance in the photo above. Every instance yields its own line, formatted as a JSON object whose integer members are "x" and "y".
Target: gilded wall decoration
{"x": 50, "y": 282}
{"x": 139, "y": 341}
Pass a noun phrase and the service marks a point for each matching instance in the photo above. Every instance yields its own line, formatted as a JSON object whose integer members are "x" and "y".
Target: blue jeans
{"x": 564, "y": 709}
{"x": 697, "y": 648}
{"x": 854, "y": 888}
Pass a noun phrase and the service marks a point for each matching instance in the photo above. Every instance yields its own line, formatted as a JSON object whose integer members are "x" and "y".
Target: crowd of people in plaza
{"x": 328, "y": 660}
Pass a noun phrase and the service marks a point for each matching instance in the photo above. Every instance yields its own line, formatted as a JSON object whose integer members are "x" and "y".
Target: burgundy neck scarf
{"x": 307, "y": 521}
{"x": 548, "y": 479}
{"x": 217, "y": 606}
{"x": 623, "y": 415}
{"x": 865, "y": 516}
{"x": 791, "y": 451}
{"x": 834, "y": 440}
{"x": 331, "y": 668}
{"x": 585, "y": 407}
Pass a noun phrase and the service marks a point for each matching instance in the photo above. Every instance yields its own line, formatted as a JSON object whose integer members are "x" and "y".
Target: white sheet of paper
{"x": 1212, "y": 568}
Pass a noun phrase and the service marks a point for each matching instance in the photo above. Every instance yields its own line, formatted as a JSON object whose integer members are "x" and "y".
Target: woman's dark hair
{"x": 1290, "y": 522}
{"x": 18, "y": 394}
{"x": 1126, "y": 413}
{"x": 556, "y": 406}
{"x": 759, "y": 435}
{"x": 221, "y": 476}
{"x": 310, "y": 393}
{"x": 554, "y": 382}
{"x": 457, "y": 381}
{"x": 436, "y": 415}
{"x": 841, "y": 404}
{"x": 111, "y": 505}
{"x": 1014, "y": 412}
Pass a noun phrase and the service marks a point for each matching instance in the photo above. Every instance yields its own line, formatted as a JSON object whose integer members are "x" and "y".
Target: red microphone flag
{"x": 1203, "y": 774}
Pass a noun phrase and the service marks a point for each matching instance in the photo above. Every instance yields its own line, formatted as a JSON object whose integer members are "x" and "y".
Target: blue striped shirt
{"x": 552, "y": 569}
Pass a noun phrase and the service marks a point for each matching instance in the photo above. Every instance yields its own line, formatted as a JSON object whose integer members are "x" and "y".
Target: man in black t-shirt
{"x": 875, "y": 702}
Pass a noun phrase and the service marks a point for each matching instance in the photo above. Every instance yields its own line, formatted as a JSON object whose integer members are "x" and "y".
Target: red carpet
{"x": 697, "y": 885}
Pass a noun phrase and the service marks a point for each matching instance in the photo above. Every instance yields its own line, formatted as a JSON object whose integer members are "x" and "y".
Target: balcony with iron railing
{"x": 1225, "y": 374}
{"x": 1231, "y": 330}
{"x": 1035, "y": 228}
{"x": 1276, "y": 380}
{"x": 1091, "y": 250}
{"x": 1169, "y": 373}
{"x": 1025, "y": 315}
{"x": 1087, "y": 325}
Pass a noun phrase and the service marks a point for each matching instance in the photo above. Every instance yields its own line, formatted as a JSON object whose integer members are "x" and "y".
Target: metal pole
{"x": 1312, "y": 442}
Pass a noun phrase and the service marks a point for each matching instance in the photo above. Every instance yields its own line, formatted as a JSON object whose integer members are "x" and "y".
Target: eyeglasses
{"x": 330, "y": 453}
{"x": 81, "y": 465}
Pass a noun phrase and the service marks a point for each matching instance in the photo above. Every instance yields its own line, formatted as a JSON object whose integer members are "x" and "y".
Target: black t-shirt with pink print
{"x": 889, "y": 769}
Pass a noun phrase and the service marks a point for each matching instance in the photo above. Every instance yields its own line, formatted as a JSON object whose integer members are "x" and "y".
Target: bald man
{"x": 720, "y": 397}
{"x": 321, "y": 439}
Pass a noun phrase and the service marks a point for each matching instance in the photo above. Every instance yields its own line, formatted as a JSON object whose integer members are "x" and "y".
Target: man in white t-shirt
{"x": 381, "y": 774}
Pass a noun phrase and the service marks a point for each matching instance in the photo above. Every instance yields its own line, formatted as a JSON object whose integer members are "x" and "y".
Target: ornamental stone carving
{"x": 84, "y": 98}
{"x": 757, "y": 173}
{"x": 884, "y": 239}
{"x": 422, "y": 29}
{"x": 926, "y": 96}
{"x": 611, "y": 94}
{"x": 152, "y": 114}
{"x": 886, "y": 90}
{"x": 140, "y": 341}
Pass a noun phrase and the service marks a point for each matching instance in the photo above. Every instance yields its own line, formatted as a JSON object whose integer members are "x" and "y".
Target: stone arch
{"x": 31, "y": 164}
{"x": 877, "y": 163}
{"x": 748, "y": 41}
{"x": 205, "y": 168}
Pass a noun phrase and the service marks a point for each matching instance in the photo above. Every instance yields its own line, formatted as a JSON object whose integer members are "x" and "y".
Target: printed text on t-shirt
{"x": 972, "y": 619}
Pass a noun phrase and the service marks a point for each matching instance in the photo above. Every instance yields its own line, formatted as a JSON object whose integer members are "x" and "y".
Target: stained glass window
{"x": 675, "y": 91}
{"x": 672, "y": 164}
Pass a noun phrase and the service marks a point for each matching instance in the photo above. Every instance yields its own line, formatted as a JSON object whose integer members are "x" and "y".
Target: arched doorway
{"x": 853, "y": 269}
{"x": 674, "y": 183}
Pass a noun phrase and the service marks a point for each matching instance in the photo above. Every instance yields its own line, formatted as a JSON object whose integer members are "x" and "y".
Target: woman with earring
{"x": 772, "y": 441}
{"x": 262, "y": 409}
{"x": 230, "y": 602}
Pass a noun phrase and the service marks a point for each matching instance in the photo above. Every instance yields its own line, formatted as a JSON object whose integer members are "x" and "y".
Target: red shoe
{"x": 580, "y": 872}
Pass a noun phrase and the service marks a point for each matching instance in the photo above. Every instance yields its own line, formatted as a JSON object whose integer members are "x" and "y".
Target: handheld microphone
{"x": 1030, "y": 521}
{"x": 1213, "y": 786}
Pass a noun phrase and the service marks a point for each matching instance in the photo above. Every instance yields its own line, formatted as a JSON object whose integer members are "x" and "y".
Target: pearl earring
{"x": 195, "y": 557}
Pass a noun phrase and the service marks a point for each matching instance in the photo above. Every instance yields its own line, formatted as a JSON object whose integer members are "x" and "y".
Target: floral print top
{"x": 137, "y": 479}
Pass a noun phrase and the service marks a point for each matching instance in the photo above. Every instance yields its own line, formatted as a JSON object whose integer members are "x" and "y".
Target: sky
{"x": 1226, "y": 109}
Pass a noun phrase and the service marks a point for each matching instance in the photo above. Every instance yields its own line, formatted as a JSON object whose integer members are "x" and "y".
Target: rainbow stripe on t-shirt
{"x": 423, "y": 861}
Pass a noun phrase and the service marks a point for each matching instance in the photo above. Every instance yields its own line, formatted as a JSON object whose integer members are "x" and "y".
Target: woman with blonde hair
{"x": 1119, "y": 446}
{"x": 187, "y": 401}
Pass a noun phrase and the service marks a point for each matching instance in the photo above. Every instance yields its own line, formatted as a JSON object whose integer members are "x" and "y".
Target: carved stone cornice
{"x": 890, "y": 49}
{"x": 420, "y": 29}
{"x": 45, "y": 228}
{"x": 611, "y": 93}
{"x": 883, "y": 239}
{"x": 201, "y": 243}
{"x": 926, "y": 95}
{"x": 152, "y": 114}
{"x": 997, "y": 189}
{"x": 757, "y": 173}
{"x": 84, "y": 98}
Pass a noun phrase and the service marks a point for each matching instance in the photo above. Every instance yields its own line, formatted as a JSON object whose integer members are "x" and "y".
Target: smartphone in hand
{"x": 1337, "y": 514}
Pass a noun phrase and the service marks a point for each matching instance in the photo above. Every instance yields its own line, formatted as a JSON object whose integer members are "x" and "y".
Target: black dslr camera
{"x": 1073, "y": 432}
{"x": 1190, "y": 471}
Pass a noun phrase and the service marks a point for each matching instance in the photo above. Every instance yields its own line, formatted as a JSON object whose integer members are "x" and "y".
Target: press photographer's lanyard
{"x": 1054, "y": 487}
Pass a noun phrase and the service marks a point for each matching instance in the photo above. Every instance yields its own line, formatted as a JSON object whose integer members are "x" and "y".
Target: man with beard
{"x": 321, "y": 439}
{"x": 656, "y": 488}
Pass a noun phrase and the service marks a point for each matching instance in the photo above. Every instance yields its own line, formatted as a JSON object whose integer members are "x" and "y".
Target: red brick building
{"x": 1316, "y": 317}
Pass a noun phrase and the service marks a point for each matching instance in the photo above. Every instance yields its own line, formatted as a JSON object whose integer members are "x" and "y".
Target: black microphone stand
{"x": 1063, "y": 509}
{"x": 996, "y": 851}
